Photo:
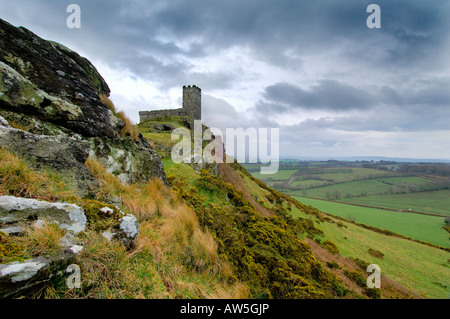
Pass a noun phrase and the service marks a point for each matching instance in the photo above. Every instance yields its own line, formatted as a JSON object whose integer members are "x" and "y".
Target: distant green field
{"x": 356, "y": 174}
{"x": 305, "y": 183}
{"x": 355, "y": 188}
{"x": 378, "y": 186}
{"x": 281, "y": 175}
{"x": 423, "y": 269}
{"x": 416, "y": 226}
{"x": 437, "y": 202}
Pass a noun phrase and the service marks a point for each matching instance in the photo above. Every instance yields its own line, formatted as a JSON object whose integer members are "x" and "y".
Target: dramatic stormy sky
{"x": 313, "y": 69}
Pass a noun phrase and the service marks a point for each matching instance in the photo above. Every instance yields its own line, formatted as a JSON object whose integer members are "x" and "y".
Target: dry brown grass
{"x": 42, "y": 240}
{"x": 184, "y": 257}
{"x": 232, "y": 177}
{"x": 17, "y": 178}
{"x": 109, "y": 185}
{"x": 107, "y": 101}
{"x": 129, "y": 128}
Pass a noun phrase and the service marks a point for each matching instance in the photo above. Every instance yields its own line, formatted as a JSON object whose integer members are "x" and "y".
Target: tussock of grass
{"x": 42, "y": 240}
{"x": 109, "y": 185}
{"x": 143, "y": 200}
{"x": 17, "y": 178}
{"x": 129, "y": 128}
{"x": 107, "y": 101}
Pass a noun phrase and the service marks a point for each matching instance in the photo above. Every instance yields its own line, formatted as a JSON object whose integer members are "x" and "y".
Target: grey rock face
{"x": 129, "y": 226}
{"x": 48, "y": 88}
{"x": 17, "y": 213}
{"x": 43, "y": 63}
{"x": 126, "y": 231}
{"x": 64, "y": 154}
{"x": 130, "y": 161}
{"x": 16, "y": 210}
{"x": 17, "y": 278}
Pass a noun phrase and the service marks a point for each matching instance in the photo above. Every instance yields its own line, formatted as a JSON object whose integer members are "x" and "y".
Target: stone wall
{"x": 147, "y": 115}
{"x": 192, "y": 106}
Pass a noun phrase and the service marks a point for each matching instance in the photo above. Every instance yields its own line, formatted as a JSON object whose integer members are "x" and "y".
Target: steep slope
{"x": 252, "y": 224}
{"x": 54, "y": 102}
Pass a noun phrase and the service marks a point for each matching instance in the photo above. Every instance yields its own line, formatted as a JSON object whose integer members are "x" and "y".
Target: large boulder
{"x": 65, "y": 86}
{"x": 18, "y": 278}
{"x": 50, "y": 96}
{"x": 18, "y": 211}
{"x": 18, "y": 214}
{"x": 62, "y": 153}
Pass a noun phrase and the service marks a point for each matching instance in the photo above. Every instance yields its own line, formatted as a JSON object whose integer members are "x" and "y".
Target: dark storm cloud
{"x": 435, "y": 93}
{"x": 115, "y": 30}
{"x": 328, "y": 94}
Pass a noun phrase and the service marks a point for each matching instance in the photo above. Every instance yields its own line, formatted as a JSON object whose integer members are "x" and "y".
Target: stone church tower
{"x": 192, "y": 101}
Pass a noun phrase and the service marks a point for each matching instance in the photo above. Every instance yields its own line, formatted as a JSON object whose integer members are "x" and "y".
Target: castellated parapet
{"x": 192, "y": 106}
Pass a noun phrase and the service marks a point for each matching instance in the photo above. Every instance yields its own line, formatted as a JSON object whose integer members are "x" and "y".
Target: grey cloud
{"x": 411, "y": 32}
{"x": 436, "y": 92}
{"x": 328, "y": 95}
{"x": 385, "y": 119}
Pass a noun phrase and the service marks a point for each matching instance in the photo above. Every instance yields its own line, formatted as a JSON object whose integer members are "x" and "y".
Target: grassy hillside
{"x": 436, "y": 202}
{"x": 422, "y": 269}
{"x": 210, "y": 197}
{"x": 218, "y": 232}
{"x": 417, "y": 226}
{"x": 172, "y": 258}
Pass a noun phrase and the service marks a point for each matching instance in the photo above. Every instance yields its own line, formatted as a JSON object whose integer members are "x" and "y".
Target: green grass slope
{"x": 262, "y": 234}
{"x": 417, "y": 226}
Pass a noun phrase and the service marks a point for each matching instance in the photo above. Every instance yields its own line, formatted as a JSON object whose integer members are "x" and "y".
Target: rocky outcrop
{"x": 63, "y": 85}
{"x": 62, "y": 153}
{"x": 53, "y": 115}
{"x": 18, "y": 214}
{"x": 17, "y": 278}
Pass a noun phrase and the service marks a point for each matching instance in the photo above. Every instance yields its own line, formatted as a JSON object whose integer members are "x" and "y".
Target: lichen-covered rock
{"x": 130, "y": 161}
{"x": 129, "y": 227}
{"x": 17, "y": 278}
{"x": 51, "y": 97}
{"x": 64, "y": 154}
{"x": 15, "y": 211}
{"x": 60, "y": 84}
